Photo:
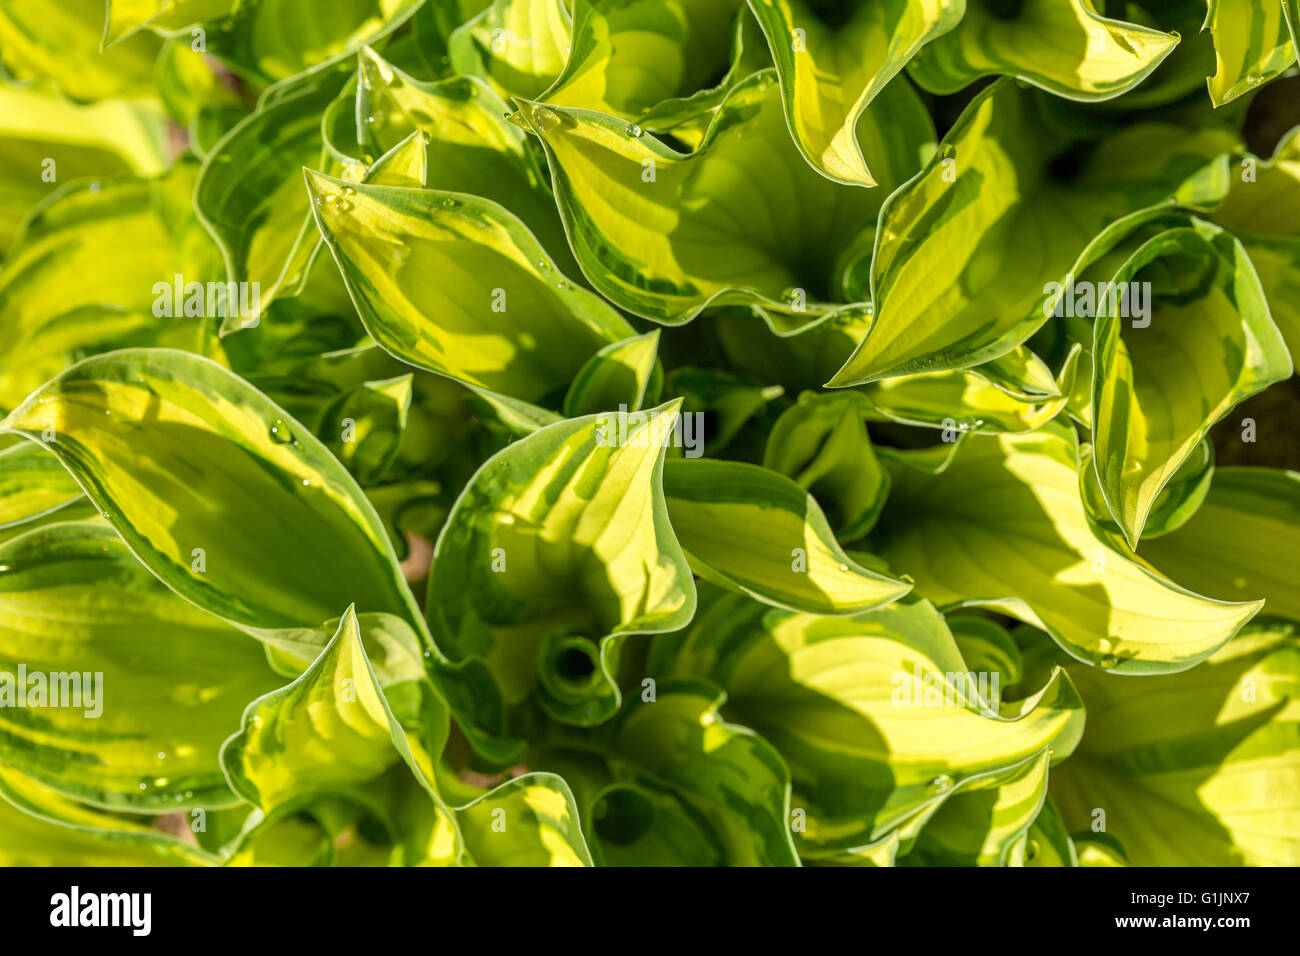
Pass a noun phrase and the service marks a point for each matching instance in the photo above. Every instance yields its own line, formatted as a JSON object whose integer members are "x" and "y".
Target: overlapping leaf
{"x": 1064, "y": 46}
{"x": 973, "y": 254}
{"x": 874, "y": 713}
{"x": 830, "y": 74}
{"x": 665, "y": 235}
{"x": 1201, "y": 770}
{"x": 1004, "y": 525}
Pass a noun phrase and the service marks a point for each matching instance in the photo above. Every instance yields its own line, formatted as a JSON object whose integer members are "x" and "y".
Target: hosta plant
{"x": 649, "y": 432}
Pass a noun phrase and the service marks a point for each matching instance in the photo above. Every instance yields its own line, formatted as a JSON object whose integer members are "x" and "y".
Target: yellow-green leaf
{"x": 1005, "y": 526}
{"x": 756, "y": 531}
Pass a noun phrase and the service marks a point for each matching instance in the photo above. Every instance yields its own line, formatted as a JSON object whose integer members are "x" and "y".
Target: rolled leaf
{"x": 830, "y": 74}
{"x": 876, "y": 714}
{"x": 1064, "y": 46}
{"x": 1204, "y": 343}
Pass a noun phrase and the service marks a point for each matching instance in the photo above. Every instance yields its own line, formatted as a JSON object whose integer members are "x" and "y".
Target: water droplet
{"x": 543, "y": 265}
{"x": 162, "y": 755}
{"x": 633, "y": 130}
{"x": 306, "y": 482}
{"x": 941, "y": 783}
{"x": 280, "y": 433}
{"x": 544, "y": 119}
{"x": 1254, "y": 79}
{"x": 844, "y": 567}
{"x": 344, "y": 206}
{"x": 349, "y": 191}
{"x": 449, "y": 203}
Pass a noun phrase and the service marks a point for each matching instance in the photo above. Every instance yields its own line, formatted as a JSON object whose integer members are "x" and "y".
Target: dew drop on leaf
{"x": 280, "y": 433}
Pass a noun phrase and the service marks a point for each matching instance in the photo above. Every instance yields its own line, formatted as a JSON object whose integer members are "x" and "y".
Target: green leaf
{"x": 821, "y": 442}
{"x": 1204, "y": 343}
{"x": 1063, "y": 46}
{"x": 125, "y": 17}
{"x": 138, "y": 689}
{"x": 987, "y": 647}
{"x": 38, "y": 827}
{"x": 1004, "y": 526}
{"x": 331, "y": 734}
{"x": 564, "y": 534}
{"x": 670, "y": 783}
{"x": 1173, "y": 507}
{"x": 273, "y": 40}
{"x": 964, "y": 270}
{"x": 1253, "y": 44}
{"x": 32, "y": 485}
{"x": 1194, "y": 769}
{"x": 519, "y": 46}
{"x": 470, "y": 146}
{"x": 61, "y": 43}
{"x": 1046, "y": 844}
{"x": 1230, "y": 548}
{"x": 754, "y": 530}
{"x": 727, "y": 402}
{"x": 46, "y": 141}
{"x": 619, "y": 375}
{"x": 371, "y": 420}
{"x": 94, "y": 269}
{"x": 529, "y": 821}
{"x": 1021, "y": 374}
{"x": 249, "y": 193}
{"x": 500, "y": 316}
{"x": 687, "y": 118}
{"x": 876, "y": 714}
{"x": 1099, "y": 849}
{"x": 830, "y": 74}
{"x": 194, "y": 94}
{"x": 222, "y": 495}
{"x": 330, "y": 743}
{"x": 739, "y": 220}
{"x": 1263, "y": 211}
{"x": 629, "y": 56}
{"x": 978, "y": 827}
{"x": 969, "y": 400}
